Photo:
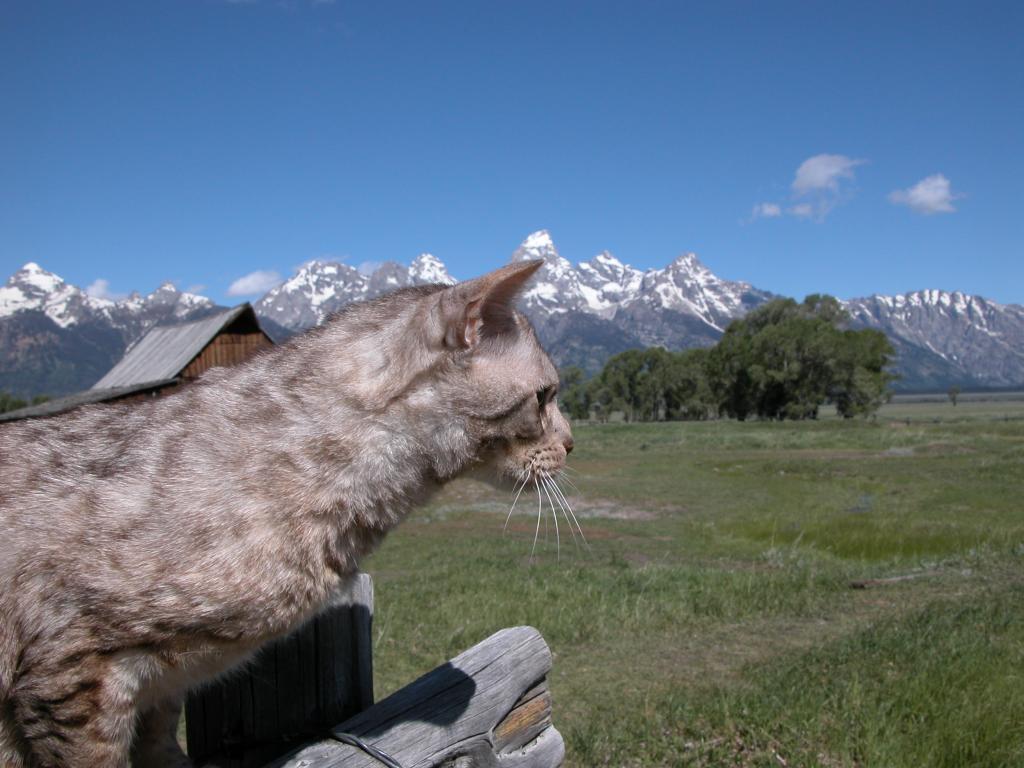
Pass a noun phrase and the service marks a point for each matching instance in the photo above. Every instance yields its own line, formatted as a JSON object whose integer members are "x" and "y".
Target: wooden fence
{"x": 305, "y": 696}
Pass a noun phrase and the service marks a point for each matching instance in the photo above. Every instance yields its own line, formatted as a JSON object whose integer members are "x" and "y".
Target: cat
{"x": 146, "y": 548}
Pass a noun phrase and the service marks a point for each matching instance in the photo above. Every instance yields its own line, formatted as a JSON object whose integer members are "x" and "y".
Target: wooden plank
{"x": 333, "y": 647}
{"x": 528, "y": 718}
{"x": 305, "y": 648}
{"x": 290, "y": 717}
{"x": 298, "y": 686}
{"x": 265, "y": 726}
{"x": 195, "y": 728}
{"x": 489, "y": 706}
{"x": 362, "y": 630}
{"x": 231, "y": 738}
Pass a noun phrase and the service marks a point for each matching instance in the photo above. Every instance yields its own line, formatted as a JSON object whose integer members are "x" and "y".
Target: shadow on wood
{"x": 487, "y": 707}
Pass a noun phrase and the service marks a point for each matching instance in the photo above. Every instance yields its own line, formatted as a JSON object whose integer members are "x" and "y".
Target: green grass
{"x": 712, "y": 622}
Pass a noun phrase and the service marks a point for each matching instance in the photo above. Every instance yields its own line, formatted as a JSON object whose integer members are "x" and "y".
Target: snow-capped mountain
{"x": 603, "y": 304}
{"x": 605, "y": 287}
{"x": 55, "y": 338}
{"x": 583, "y": 313}
{"x": 319, "y": 288}
{"x": 948, "y": 337}
{"x": 32, "y": 288}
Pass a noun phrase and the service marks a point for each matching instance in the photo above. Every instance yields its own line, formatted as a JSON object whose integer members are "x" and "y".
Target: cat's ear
{"x": 483, "y": 307}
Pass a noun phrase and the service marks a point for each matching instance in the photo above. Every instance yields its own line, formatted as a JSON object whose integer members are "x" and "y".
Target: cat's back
{"x": 49, "y": 466}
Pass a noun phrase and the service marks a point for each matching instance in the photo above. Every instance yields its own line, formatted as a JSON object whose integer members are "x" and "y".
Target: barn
{"x": 166, "y": 358}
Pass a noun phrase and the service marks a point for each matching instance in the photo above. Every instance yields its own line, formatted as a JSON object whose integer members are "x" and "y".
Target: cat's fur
{"x": 146, "y": 548}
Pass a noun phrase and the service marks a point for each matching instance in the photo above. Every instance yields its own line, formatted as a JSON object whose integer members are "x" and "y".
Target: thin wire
{"x": 354, "y": 741}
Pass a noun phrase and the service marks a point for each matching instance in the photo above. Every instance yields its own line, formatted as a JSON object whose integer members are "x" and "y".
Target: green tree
{"x": 688, "y": 394}
{"x": 617, "y": 386}
{"x": 574, "y": 392}
{"x": 860, "y": 381}
{"x": 653, "y": 385}
{"x": 785, "y": 359}
{"x": 9, "y": 402}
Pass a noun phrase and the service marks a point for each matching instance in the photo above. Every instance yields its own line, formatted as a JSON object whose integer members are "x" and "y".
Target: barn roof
{"x": 163, "y": 352}
{"x": 61, "y": 404}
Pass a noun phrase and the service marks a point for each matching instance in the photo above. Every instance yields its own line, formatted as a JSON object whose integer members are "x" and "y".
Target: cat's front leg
{"x": 73, "y": 714}
{"x": 156, "y": 738}
{"x": 10, "y": 752}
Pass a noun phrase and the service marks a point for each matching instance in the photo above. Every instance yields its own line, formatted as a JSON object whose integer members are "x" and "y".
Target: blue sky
{"x": 849, "y": 148}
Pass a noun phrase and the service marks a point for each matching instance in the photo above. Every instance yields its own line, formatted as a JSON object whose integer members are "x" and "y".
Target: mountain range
{"x": 56, "y": 339}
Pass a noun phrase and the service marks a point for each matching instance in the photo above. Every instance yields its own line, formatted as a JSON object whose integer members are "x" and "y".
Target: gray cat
{"x": 147, "y": 548}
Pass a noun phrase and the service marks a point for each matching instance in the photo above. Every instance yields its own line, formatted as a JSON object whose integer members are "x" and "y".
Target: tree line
{"x": 9, "y": 402}
{"x": 783, "y": 360}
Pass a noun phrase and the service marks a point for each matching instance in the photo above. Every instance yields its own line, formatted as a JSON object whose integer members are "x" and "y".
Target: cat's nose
{"x": 568, "y": 443}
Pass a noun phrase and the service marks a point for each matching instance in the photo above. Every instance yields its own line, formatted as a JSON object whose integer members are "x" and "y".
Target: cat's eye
{"x": 545, "y": 395}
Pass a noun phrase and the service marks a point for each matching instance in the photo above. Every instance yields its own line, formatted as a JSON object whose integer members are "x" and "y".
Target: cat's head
{"x": 497, "y": 376}
{"x": 464, "y": 370}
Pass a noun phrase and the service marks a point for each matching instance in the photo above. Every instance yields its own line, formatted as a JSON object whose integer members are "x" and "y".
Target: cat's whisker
{"x": 536, "y": 533}
{"x": 554, "y": 516}
{"x": 567, "y": 511}
{"x": 547, "y": 481}
{"x": 569, "y": 507}
{"x": 565, "y": 478}
{"x": 511, "y": 509}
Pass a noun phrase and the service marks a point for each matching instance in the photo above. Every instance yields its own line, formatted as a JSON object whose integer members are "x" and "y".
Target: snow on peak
{"x": 689, "y": 262}
{"x": 33, "y": 288}
{"x": 537, "y": 240}
{"x": 427, "y": 268}
{"x": 34, "y": 276}
{"x": 608, "y": 283}
{"x": 556, "y": 287}
{"x": 192, "y": 300}
{"x": 608, "y": 259}
{"x": 931, "y": 299}
{"x": 539, "y": 245}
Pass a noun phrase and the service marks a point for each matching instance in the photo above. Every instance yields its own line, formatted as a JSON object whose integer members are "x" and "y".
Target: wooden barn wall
{"x": 226, "y": 349}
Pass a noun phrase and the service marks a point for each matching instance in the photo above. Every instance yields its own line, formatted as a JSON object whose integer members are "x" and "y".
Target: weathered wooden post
{"x": 489, "y": 707}
{"x": 295, "y": 690}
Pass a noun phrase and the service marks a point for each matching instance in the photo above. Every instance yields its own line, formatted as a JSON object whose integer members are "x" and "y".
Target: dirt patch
{"x": 896, "y": 452}
{"x": 610, "y": 510}
{"x": 467, "y": 495}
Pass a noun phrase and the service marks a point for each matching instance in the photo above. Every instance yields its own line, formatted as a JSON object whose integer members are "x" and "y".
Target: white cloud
{"x": 369, "y": 267}
{"x": 766, "y": 211}
{"x": 100, "y": 289}
{"x": 823, "y": 173}
{"x": 256, "y": 282}
{"x": 198, "y": 288}
{"x": 820, "y": 184}
{"x": 930, "y": 195}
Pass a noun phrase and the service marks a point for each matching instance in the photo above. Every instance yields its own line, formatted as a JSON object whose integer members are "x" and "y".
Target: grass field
{"x": 712, "y": 621}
